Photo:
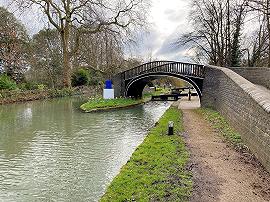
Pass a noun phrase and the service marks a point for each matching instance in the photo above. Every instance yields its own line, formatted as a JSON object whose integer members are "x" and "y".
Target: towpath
{"x": 219, "y": 172}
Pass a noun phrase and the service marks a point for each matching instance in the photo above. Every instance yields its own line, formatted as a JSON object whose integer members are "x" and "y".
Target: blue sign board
{"x": 108, "y": 84}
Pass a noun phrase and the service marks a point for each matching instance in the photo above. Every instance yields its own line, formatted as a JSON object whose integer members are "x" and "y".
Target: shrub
{"x": 61, "y": 92}
{"x": 93, "y": 81}
{"x": 29, "y": 86}
{"x": 80, "y": 77}
{"x": 41, "y": 87}
{"x": 6, "y": 83}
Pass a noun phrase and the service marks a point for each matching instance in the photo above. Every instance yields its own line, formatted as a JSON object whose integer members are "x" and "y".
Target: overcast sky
{"x": 168, "y": 19}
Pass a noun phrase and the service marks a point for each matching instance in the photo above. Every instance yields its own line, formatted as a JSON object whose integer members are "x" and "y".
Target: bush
{"x": 6, "y": 83}
{"x": 94, "y": 81}
{"x": 80, "y": 77}
{"x": 61, "y": 92}
{"x": 28, "y": 86}
{"x": 41, "y": 87}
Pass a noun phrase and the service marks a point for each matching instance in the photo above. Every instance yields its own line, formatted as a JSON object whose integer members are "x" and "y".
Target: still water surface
{"x": 50, "y": 151}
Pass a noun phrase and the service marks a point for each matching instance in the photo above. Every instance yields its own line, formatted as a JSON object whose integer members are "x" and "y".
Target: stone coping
{"x": 250, "y": 68}
{"x": 261, "y": 96}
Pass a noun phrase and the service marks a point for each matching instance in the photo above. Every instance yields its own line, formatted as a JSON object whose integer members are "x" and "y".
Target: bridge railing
{"x": 187, "y": 69}
{"x": 143, "y": 68}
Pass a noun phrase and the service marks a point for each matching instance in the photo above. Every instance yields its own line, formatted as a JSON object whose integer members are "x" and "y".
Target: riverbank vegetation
{"x": 219, "y": 123}
{"x": 39, "y": 66}
{"x": 7, "y": 97}
{"x": 157, "y": 169}
{"x": 99, "y": 104}
{"x": 157, "y": 91}
{"x": 72, "y": 44}
{"x": 221, "y": 34}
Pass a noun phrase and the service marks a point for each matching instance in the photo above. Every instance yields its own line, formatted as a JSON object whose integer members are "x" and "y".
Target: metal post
{"x": 170, "y": 128}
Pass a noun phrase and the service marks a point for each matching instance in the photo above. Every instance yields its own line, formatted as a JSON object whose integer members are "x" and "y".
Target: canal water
{"x": 51, "y": 151}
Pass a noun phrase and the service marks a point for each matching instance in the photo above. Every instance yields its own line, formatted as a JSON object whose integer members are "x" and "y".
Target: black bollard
{"x": 189, "y": 94}
{"x": 170, "y": 128}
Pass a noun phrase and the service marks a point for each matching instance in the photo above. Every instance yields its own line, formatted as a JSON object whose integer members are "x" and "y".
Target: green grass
{"x": 157, "y": 169}
{"x": 159, "y": 91}
{"x": 219, "y": 123}
{"x": 99, "y": 103}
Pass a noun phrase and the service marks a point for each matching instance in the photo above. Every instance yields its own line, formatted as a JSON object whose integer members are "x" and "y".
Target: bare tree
{"x": 86, "y": 16}
{"x": 46, "y": 58}
{"x": 13, "y": 40}
{"x": 102, "y": 52}
{"x": 263, "y": 8}
{"x": 216, "y": 30}
{"x": 256, "y": 46}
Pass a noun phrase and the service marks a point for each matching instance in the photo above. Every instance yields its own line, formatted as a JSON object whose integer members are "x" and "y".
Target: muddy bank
{"x": 8, "y": 97}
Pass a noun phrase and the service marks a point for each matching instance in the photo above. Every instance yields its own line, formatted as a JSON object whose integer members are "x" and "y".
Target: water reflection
{"x": 51, "y": 151}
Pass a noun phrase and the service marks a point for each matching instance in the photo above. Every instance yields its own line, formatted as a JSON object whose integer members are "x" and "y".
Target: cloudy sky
{"x": 168, "y": 18}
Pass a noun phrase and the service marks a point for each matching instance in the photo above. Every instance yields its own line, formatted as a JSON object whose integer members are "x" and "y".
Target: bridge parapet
{"x": 187, "y": 69}
{"x": 132, "y": 82}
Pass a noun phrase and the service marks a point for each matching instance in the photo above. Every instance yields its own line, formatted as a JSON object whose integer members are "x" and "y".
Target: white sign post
{"x": 108, "y": 91}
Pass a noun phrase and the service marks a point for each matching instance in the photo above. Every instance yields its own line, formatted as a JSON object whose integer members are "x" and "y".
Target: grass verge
{"x": 97, "y": 104}
{"x": 219, "y": 123}
{"x": 157, "y": 169}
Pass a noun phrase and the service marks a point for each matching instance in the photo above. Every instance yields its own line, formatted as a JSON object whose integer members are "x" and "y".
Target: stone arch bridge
{"x": 241, "y": 95}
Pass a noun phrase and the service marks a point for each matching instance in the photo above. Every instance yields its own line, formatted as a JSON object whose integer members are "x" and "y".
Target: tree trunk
{"x": 66, "y": 58}
{"x": 268, "y": 28}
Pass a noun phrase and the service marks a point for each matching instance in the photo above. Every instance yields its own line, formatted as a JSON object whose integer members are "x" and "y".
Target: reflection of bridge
{"x": 132, "y": 82}
{"x": 239, "y": 98}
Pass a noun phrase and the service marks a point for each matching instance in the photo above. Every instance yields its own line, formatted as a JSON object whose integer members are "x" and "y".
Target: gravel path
{"x": 219, "y": 172}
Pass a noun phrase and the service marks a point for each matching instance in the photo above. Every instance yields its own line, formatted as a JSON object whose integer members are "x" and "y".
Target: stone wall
{"x": 256, "y": 75}
{"x": 245, "y": 106}
{"x": 118, "y": 85}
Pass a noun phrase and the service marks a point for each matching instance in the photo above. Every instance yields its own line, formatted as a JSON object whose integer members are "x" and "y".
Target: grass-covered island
{"x": 157, "y": 169}
{"x": 99, "y": 104}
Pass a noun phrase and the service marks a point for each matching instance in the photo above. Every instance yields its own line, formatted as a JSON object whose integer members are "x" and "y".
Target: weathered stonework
{"x": 118, "y": 85}
{"x": 245, "y": 105}
{"x": 256, "y": 75}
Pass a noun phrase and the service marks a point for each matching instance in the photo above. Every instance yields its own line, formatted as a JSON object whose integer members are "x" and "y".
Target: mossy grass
{"x": 157, "y": 169}
{"x": 159, "y": 91}
{"x": 97, "y": 104}
{"x": 219, "y": 123}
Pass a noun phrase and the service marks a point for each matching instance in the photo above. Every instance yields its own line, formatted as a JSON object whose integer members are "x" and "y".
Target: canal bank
{"x": 219, "y": 167}
{"x": 222, "y": 167}
{"x": 18, "y": 96}
{"x": 99, "y": 104}
{"x": 157, "y": 170}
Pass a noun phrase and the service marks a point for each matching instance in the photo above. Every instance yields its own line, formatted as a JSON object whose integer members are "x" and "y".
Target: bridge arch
{"x": 132, "y": 82}
{"x": 135, "y": 86}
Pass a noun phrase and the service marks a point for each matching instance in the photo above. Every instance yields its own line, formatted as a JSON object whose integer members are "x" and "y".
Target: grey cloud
{"x": 171, "y": 50}
{"x": 178, "y": 15}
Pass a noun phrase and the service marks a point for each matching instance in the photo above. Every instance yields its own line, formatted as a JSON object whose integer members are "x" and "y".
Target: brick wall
{"x": 260, "y": 76}
{"x": 245, "y": 106}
